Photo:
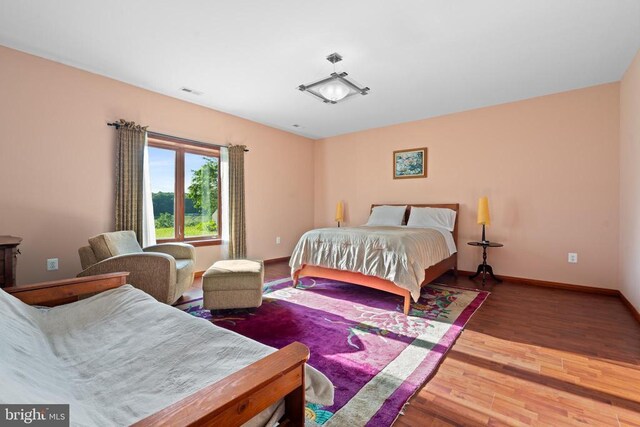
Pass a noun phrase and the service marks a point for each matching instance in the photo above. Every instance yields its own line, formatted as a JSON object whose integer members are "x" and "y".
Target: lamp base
{"x": 484, "y": 239}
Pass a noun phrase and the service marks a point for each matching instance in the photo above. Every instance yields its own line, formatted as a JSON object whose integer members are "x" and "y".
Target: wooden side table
{"x": 8, "y": 254}
{"x": 485, "y": 268}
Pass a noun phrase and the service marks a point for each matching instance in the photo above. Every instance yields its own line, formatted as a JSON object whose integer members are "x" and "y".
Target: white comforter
{"x": 120, "y": 356}
{"x": 398, "y": 254}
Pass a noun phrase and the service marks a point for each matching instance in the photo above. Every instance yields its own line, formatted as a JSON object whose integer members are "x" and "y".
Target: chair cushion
{"x": 87, "y": 257}
{"x": 108, "y": 245}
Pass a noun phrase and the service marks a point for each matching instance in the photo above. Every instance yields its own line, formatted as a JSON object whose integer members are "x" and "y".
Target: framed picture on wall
{"x": 410, "y": 163}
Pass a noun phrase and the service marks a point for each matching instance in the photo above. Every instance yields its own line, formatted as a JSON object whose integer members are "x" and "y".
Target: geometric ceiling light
{"x": 334, "y": 88}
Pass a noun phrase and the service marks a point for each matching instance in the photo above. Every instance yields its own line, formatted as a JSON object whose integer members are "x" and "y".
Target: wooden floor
{"x": 532, "y": 356}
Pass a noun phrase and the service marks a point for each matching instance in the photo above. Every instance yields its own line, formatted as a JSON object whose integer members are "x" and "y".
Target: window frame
{"x": 180, "y": 147}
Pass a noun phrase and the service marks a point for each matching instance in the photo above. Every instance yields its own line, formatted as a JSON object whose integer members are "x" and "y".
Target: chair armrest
{"x": 176, "y": 250}
{"x": 153, "y": 273}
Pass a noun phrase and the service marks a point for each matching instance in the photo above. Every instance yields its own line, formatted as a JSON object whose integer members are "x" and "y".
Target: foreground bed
{"x": 120, "y": 358}
{"x": 399, "y": 260}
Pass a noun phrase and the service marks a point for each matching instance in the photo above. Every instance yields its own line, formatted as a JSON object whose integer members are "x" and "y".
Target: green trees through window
{"x": 201, "y": 195}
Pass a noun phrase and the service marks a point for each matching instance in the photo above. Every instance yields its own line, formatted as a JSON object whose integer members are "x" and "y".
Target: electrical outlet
{"x": 52, "y": 264}
{"x": 573, "y": 258}
{"x": 278, "y": 240}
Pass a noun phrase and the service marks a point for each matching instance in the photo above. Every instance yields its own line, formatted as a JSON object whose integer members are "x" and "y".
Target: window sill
{"x": 204, "y": 242}
{"x": 195, "y": 242}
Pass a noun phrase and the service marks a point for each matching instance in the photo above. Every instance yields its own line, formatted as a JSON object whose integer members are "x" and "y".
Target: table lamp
{"x": 339, "y": 213}
{"x": 483, "y": 215}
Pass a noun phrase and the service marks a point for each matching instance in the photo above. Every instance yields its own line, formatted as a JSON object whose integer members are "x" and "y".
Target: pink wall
{"x": 630, "y": 183}
{"x": 549, "y": 166}
{"x": 57, "y": 162}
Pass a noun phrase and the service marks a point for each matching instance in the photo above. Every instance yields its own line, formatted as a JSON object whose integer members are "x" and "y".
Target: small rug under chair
{"x": 376, "y": 357}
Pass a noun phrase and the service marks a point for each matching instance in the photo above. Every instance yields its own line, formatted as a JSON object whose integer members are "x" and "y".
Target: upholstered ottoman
{"x": 233, "y": 283}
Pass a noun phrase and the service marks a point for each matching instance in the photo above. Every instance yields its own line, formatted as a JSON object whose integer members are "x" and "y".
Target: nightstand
{"x": 8, "y": 254}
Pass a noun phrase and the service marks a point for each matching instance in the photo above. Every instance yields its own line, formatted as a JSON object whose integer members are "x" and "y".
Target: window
{"x": 185, "y": 187}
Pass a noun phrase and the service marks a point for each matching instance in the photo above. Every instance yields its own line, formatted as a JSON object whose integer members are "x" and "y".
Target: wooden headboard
{"x": 452, "y": 206}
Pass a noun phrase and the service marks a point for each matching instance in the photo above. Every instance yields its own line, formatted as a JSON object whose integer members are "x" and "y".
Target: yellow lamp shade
{"x": 483, "y": 211}
{"x": 340, "y": 212}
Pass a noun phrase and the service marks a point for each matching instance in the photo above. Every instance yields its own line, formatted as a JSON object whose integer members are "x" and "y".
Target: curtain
{"x": 237, "y": 225}
{"x": 129, "y": 177}
{"x": 148, "y": 219}
{"x": 224, "y": 200}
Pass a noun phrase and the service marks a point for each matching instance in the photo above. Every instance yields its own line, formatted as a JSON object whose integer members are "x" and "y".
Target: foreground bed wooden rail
{"x": 63, "y": 291}
{"x": 231, "y": 401}
{"x": 238, "y": 397}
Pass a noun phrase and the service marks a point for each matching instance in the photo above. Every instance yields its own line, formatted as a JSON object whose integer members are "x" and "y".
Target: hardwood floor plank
{"x": 570, "y": 359}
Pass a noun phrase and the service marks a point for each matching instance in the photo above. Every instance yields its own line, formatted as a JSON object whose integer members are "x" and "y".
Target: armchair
{"x": 164, "y": 271}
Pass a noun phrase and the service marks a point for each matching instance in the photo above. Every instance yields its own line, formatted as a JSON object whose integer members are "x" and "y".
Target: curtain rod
{"x": 164, "y": 135}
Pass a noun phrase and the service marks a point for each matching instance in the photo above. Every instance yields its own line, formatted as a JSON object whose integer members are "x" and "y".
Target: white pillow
{"x": 432, "y": 217}
{"x": 387, "y": 215}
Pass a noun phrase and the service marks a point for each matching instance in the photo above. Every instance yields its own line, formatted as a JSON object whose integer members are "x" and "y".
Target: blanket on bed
{"x": 398, "y": 254}
{"x": 119, "y": 356}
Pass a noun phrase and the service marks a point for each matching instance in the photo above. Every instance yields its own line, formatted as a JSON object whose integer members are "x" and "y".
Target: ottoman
{"x": 235, "y": 283}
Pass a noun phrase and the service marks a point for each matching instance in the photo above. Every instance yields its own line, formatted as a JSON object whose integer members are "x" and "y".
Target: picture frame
{"x": 410, "y": 163}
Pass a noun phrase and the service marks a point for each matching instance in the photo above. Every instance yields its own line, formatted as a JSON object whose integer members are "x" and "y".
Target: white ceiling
{"x": 421, "y": 58}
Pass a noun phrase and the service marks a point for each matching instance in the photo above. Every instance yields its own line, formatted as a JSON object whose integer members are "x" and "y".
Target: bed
{"x": 399, "y": 260}
{"x": 119, "y": 357}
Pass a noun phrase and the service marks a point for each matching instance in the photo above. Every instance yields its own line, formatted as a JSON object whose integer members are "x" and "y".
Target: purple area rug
{"x": 376, "y": 357}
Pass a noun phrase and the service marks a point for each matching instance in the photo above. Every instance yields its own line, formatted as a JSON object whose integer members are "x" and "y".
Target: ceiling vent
{"x": 191, "y": 91}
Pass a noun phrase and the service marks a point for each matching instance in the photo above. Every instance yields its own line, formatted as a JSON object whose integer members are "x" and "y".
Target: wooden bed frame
{"x": 431, "y": 273}
{"x": 231, "y": 401}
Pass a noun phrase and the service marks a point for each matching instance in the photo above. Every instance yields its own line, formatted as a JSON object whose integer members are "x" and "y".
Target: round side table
{"x": 485, "y": 268}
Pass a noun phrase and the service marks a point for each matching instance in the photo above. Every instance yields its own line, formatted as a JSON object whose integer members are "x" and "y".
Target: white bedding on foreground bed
{"x": 399, "y": 254}
{"x": 120, "y": 356}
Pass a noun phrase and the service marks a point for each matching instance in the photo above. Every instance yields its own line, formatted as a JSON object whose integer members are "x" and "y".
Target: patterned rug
{"x": 376, "y": 357}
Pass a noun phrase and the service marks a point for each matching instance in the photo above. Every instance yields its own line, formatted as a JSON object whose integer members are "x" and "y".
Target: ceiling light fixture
{"x": 334, "y": 88}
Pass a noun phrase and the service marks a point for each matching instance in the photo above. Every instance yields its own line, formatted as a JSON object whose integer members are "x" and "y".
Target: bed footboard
{"x": 431, "y": 274}
{"x": 237, "y": 398}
